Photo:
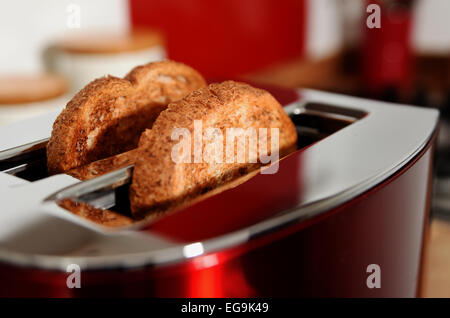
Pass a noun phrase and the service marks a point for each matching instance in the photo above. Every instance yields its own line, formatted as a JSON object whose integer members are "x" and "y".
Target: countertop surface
{"x": 436, "y": 279}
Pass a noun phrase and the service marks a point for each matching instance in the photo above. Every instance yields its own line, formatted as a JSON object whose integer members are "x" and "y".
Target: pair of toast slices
{"x": 115, "y": 122}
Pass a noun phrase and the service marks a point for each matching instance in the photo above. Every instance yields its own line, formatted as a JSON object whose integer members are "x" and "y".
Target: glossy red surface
{"x": 224, "y": 38}
{"x": 324, "y": 256}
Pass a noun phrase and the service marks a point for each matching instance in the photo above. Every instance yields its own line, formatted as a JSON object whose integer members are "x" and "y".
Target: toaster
{"x": 354, "y": 197}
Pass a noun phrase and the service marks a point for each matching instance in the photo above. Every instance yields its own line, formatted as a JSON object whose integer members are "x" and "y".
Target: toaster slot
{"x": 27, "y": 162}
{"x": 115, "y": 199}
{"x": 313, "y": 122}
{"x": 109, "y": 191}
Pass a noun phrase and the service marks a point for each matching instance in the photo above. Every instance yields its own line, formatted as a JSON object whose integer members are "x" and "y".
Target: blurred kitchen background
{"x": 52, "y": 48}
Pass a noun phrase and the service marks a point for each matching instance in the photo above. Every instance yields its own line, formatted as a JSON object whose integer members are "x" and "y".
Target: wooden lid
{"x": 20, "y": 89}
{"x": 98, "y": 42}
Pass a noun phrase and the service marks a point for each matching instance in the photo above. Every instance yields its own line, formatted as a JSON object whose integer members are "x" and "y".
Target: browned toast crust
{"x": 103, "y": 166}
{"x": 159, "y": 183}
{"x": 106, "y": 218}
{"x": 108, "y": 115}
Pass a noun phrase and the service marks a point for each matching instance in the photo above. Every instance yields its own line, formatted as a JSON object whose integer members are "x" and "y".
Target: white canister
{"x": 85, "y": 56}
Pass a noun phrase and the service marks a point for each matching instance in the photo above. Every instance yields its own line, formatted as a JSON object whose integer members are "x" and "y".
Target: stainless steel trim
{"x": 108, "y": 181}
{"x": 23, "y": 149}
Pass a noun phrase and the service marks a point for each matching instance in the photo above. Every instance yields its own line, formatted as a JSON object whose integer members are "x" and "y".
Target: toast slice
{"x": 161, "y": 183}
{"x": 108, "y": 116}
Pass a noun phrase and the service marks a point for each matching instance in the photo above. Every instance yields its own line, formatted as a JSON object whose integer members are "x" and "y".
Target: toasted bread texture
{"x": 108, "y": 116}
{"x": 103, "y": 166}
{"x": 105, "y": 218}
{"x": 161, "y": 183}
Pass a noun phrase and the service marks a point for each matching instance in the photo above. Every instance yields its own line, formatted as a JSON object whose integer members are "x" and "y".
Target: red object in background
{"x": 226, "y": 38}
{"x": 387, "y": 52}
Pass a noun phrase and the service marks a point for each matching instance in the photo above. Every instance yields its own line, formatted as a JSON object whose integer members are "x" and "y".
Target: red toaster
{"x": 351, "y": 202}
